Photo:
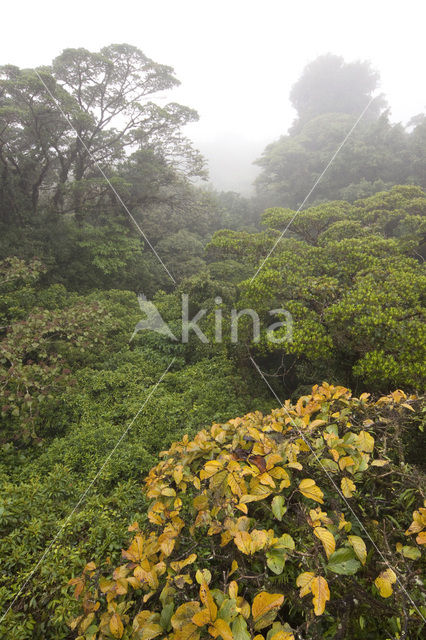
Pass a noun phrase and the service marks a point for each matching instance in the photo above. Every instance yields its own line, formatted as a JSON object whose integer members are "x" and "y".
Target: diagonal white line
{"x": 102, "y": 172}
{"x": 293, "y": 423}
{"x": 316, "y": 183}
{"x": 86, "y": 491}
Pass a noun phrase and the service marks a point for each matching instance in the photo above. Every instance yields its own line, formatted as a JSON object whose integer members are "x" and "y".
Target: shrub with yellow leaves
{"x": 251, "y": 516}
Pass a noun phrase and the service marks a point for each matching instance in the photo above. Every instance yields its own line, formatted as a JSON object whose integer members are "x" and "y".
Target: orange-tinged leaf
{"x": 207, "y": 600}
{"x": 321, "y": 593}
{"x": 309, "y": 489}
{"x": 223, "y": 628}
{"x": 327, "y": 540}
{"x": 265, "y": 602}
{"x": 116, "y": 626}
{"x": 259, "y": 461}
{"x": 421, "y": 538}
{"x": 201, "y": 618}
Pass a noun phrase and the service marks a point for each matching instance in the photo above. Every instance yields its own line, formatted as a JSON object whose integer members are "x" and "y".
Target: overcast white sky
{"x": 236, "y": 59}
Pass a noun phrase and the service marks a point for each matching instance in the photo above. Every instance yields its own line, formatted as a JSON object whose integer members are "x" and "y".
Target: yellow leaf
{"x": 265, "y": 478}
{"x": 344, "y": 524}
{"x": 233, "y": 590}
{"x": 348, "y": 487}
{"x": 201, "y": 618}
{"x": 321, "y": 593}
{"x": 242, "y": 507}
{"x": 178, "y": 474}
{"x": 419, "y": 522}
{"x": 283, "y": 635}
{"x": 184, "y": 614}
{"x": 210, "y": 469}
{"x": 316, "y": 423}
{"x": 309, "y": 489}
{"x": 259, "y": 538}
{"x": 265, "y": 602}
{"x": 207, "y": 600}
{"x": 151, "y": 630}
{"x": 178, "y": 566}
{"x": 346, "y": 461}
{"x": 365, "y": 442}
{"x": 224, "y": 630}
{"x": 379, "y": 463}
{"x": 203, "y": 576}
{"x": 250, "y": 543}
{"x": 304, "y": 581}
{"x": 421, "y": 538}
{"x": 384, "y": 582}
{"x": 116, "y": 626}
{"x": 327, "y": 540}
{"x": 359, "y": 547}
{"x": 242, "y": 540}
{"x": 234, "y": 567}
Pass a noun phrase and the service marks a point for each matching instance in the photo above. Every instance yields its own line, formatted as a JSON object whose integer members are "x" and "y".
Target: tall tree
{"x": 331, "y": 85}
{"x": 108, "y": 98}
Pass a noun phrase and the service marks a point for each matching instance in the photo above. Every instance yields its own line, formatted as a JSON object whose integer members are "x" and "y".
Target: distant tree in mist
{"x": 329, "y": 97}
{"x": 331, "y": 85}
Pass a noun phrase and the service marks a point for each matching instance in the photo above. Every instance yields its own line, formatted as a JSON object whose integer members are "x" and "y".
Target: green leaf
{"x": 411, "y": 552}
{"x": 275, "y": 559}
{"x": 228, "y": 610}
{"x": 239, "y": 629}
{"x": 285, "y": 542}
{"x": 343, "y": 562}
{"x": 166, "y": 616}
{"x": 278, "y": 508}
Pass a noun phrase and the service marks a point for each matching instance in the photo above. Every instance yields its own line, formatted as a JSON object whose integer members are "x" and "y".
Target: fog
{"x": 236, "y": 61}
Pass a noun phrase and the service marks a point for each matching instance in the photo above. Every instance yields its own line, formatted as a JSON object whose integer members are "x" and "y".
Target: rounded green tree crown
{"x": 305, "y": 523}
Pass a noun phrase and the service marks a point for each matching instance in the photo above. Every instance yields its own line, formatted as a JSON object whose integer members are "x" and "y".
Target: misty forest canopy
{"x": 329, "y": 97}
{"x": 239, "y": 533}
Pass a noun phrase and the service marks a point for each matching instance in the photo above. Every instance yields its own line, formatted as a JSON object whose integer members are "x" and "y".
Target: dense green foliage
{"x": 353, "y": 278}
